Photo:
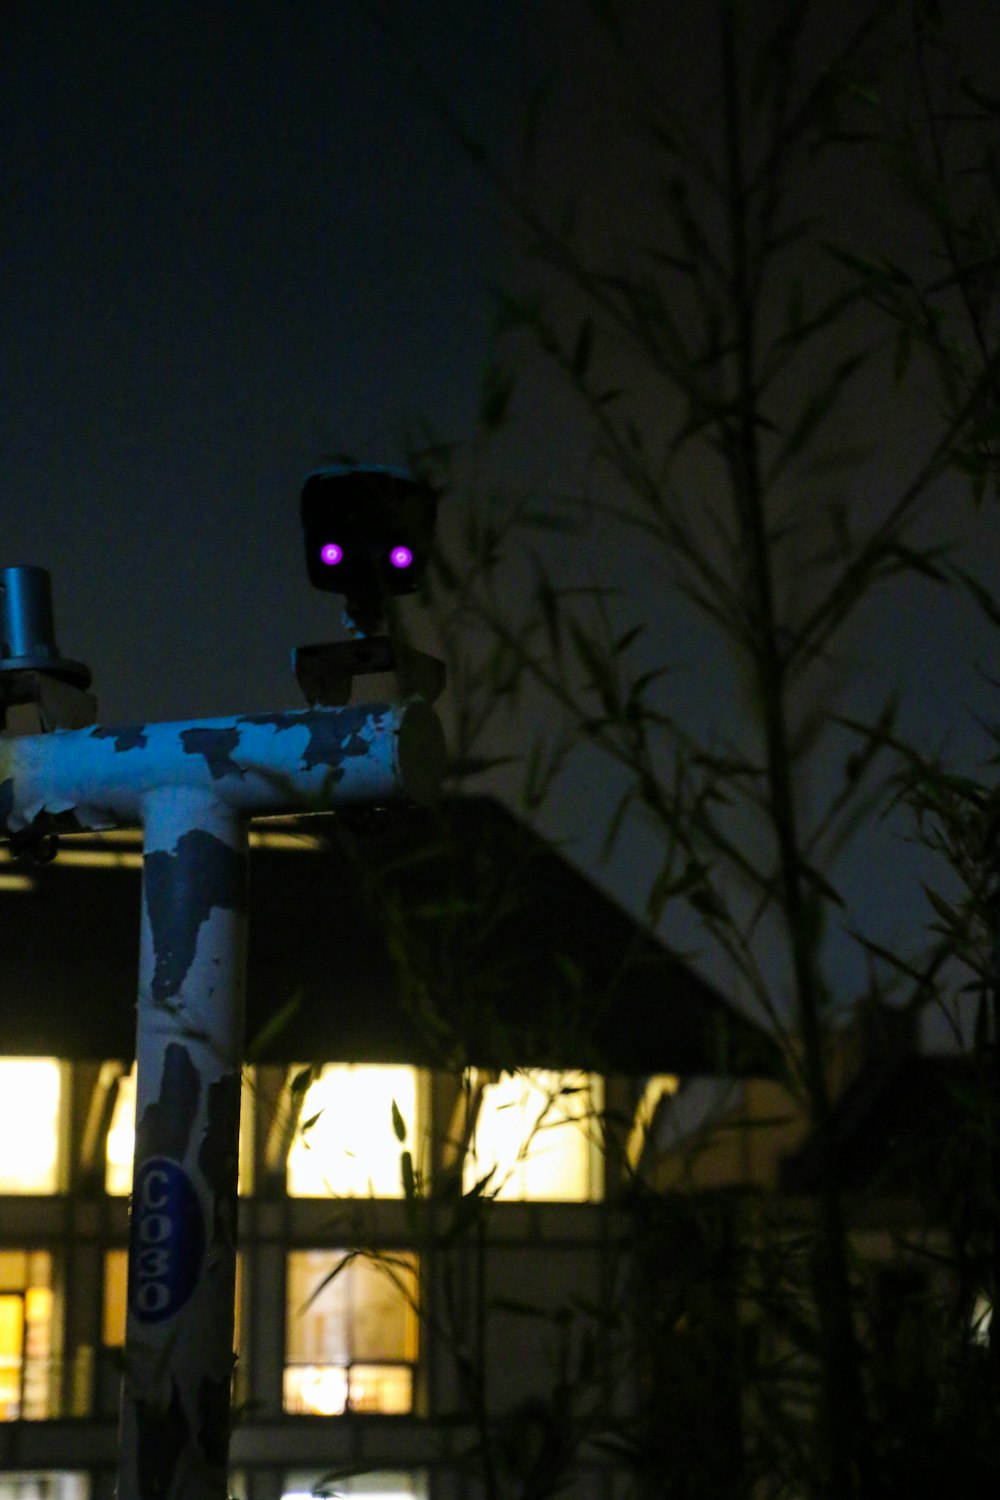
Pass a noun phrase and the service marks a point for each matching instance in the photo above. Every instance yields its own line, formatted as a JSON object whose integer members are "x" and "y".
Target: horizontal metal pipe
{"x": 308, "y": 760}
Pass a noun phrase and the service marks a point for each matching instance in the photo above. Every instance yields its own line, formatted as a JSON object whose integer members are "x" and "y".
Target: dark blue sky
{"x": 233, "y": 242}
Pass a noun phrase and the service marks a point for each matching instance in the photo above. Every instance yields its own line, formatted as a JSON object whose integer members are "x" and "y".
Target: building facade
{"x": 445, "y": 1100}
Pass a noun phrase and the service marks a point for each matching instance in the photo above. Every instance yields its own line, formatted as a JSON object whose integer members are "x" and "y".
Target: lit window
{"x": 27, "y": 1367}
{"x": 382, "y": 1486}
{"x": 44, "y": 1485}
{"x": 539, "y": 1136}
{"x": 116, "y": 1299}
{"x": 120, "y": 1146}
{"x": 351, "y": 1333}
{"x": 346, "y": 1145}
{"x": 29, "y": 1124}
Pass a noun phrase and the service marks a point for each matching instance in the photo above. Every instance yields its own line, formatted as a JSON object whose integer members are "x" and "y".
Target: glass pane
{"x": 115, "y": 1298}
{"x": 317, "y": 1327}
{"x": 13, "y": 1270}
{"x": 346, "y": 1145}
{"x": 540, "y": 1133}
{"x": 26, "y": 1362}
{"x": 352, "y": 1336}
{"x": 120, "y": 1146}
{"x": 381, "y": 1388}
{"x": 316, "y": 1390}
{"x": 121, "y": 1140}
{"x": 29, "y": 1124}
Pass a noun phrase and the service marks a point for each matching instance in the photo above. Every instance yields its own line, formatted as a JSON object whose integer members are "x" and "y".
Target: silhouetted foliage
{"x": 711, "y": 367}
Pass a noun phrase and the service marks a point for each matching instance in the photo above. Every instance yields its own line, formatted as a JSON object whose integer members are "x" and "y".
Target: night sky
{"x": 230, "y": 247}
{"x": 233, "y": 242}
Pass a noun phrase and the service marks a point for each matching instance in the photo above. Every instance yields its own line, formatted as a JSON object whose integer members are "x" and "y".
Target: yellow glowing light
{"x": 539, "y": 1134}
{"x": 319, "y": 1390}
{"x": 346, "y": 1144}
{"x": 120, "y": 1147}
{"x": 29, "y": 1124}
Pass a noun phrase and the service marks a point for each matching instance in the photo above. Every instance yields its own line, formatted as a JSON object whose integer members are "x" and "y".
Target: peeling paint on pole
{"x": 182, "y": 1259}
{"x": 194, "y": 787}
{"x": 217, "y": 746}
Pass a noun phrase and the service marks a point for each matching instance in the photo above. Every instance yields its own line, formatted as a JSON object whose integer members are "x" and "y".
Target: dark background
{"x": 233, "y": 242}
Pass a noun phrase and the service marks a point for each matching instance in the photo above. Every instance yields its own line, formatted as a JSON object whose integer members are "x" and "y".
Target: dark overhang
{"x": 438, "y": 938}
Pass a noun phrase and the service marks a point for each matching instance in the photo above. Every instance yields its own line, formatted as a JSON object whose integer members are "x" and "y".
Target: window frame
{"x": 388, "y": 1262}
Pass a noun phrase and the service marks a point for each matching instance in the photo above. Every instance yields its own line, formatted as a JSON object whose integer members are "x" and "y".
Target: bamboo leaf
{"x": 981, "y": 594}
{"x": 398, "y": 1123}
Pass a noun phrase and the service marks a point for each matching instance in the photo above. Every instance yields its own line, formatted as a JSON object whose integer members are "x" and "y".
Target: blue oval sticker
{"x": 167, "y": 1240}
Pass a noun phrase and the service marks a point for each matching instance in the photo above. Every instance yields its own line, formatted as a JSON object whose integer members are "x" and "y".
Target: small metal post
{"x": 189, "y": 1048}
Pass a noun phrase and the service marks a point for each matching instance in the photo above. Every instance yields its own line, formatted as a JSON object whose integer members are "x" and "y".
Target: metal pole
{"x": 189, "y": 1048}
{"x": 194, "y": 786}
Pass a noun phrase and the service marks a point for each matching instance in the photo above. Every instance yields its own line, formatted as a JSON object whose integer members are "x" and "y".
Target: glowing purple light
{"x": 401, "y": 557}
{"x": 331, "y": 554}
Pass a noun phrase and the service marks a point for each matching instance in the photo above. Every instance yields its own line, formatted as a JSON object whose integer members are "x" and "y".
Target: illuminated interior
{"x": 29, "y": 1124}
{"x": 26, "y": 1362}
{"x": 351, "y": 1333}
{"x": 121, "y": 1140}
{"x": 382, "y": 1486}
{"x": 538, "y": 1134}
{"x": 657, "y": 1087}
{"x": 120, "y": 1146}
{"x": 115, "y": 1298}
{"x": 346, "y": 1145}
{"x": 44, "y": 1486}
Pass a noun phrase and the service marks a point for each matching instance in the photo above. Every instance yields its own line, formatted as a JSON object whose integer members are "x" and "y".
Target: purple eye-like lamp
{"x": 331, "y": 554}
{"x": 401, "y": 557}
